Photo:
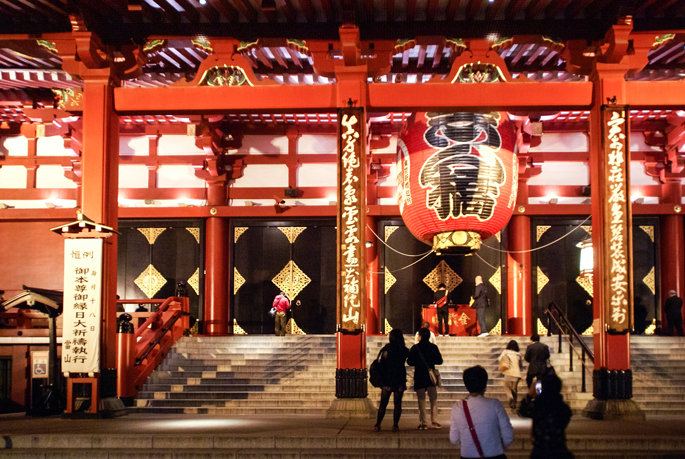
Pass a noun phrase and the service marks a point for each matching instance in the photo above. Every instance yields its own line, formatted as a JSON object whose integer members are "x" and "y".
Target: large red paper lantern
{"x": 457, "y": 177}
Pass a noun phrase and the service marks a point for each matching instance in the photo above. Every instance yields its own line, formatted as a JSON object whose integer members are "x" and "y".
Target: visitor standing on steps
{"x": 510, "y": 364}
{"x": 441, "y": 299}
{"x": 282, "y": 304}
{"x": 480, "y": 302}
{"x": 424, "y": 356}
{"x": 674, "y": 316}
{"x": 393, "y": 356}
{"x": 425, "y": 325}
{"x": 537, "y": 355}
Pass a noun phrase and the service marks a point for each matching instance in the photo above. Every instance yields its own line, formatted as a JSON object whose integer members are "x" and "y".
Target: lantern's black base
{"x": 610, "y": 410}
{"x": 351, "y": 383}
{"x": 612, "y": 384}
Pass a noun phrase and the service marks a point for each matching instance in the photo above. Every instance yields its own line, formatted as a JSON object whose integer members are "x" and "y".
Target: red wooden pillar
{"x": 373, "y": 286}
{"x": 519, "y": 279}
{"x": 672, "y": 247}
{"x": 99, "y": 198}
{"x": 216, "y": 321}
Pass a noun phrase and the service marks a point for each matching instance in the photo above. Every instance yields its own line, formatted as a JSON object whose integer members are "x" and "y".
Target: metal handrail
{"x": 571, "y": 334}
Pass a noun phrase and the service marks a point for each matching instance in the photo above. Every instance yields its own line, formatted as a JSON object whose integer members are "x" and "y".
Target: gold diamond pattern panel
{"x": 194, "y": 281}
{"x": 496, "y": 280}
{"x": 238, "y": 280}
{"x": 649, "y": 230}
{"x": 541, "y": 230}
{"x": 239, "y": 230}
{"x": 588, "y": 229}
{"x": 150, "y": 281}
{"x": 389, "y": 230}
{"x": 388, "y": 328}
{"x": 499, "y": 236}
{"x": 649, "y": 280}
{"x": 586, "y": 283}
{"x": 542, "y": 280}
{"x": 291, "y": 280}
{"x": 542, "y": 331}
{"x": 442, "y": 274}
{"x": 291, "y": 232}
{"x": 389, "y": 280}
{"x": 195, "y": 329}
{"x": 237, "y": 329}
{"x": 293, "y": 329}
{"x": 590, "y": 330}
{"x": 195, "y": 232}
{"x": 651, "y": 329}
{"x": 151, "y": 234}
{"x": 497, "y": 329}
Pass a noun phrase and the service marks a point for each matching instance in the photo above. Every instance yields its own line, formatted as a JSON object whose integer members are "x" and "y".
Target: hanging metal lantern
{"x": 586, "y": 258}
{"x": 457, "y": 177}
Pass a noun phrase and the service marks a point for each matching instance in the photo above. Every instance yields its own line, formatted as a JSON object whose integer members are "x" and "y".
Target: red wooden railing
{"x": 139, "y": 353}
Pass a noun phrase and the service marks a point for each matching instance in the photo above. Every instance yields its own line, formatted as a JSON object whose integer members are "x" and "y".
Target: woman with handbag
{"x": 480, "y": 424}
{"x": 392, "y": 359}
{"x": 423, "y": 357}
{"x": 510, "y": 364}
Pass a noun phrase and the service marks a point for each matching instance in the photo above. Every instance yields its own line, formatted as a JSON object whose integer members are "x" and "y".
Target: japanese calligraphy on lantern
{"x": 618, "y": 239}
{"x": 351, "y": 218}
{"x": 82, "y": 305}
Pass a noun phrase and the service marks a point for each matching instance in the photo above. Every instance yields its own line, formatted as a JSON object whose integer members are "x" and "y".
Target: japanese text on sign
{"x": 82, "y": 305}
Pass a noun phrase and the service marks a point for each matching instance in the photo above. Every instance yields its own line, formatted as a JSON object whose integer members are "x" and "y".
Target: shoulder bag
{"x": 376, "y": 377}
{"x": 433, "y": 373}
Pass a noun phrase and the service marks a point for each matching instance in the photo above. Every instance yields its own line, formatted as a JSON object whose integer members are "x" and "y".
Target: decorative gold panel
{"x": 238, "y": 280}
{"x": 237, "y": 329}
{"x": 498, "y": 235}
{"x": 542, "y": 331}
{"x": 588, "y": 229}
{"x": 195, "y": 232}
{"x": 541, "y": 230}
{"x": 590, "y": 331}
{"x": 293, "y": 329}
{"x": 195, "y": 329}
{"x": 239, "y": 232}
{"x": 651, "y": 329}
{"x": 586, "y": 283}
{"x": 389, "y": 230}
{"x": 497, "y": 329}
{"x": 389, "y": 280}
{"x": 442, "y": 274}
{"x": 291, "y": 280}
{"x": 291, "y": 232}
{"x": 649, "y": 230}
{"x": 150, "y": 281}
{"x": 649, "y": 280}
{"x": 542, "y": 280}
{"x": 496, "y": 280}
{"x": 388, "y": 328}
{"x": 194, "y": 281}
{"x": 151, "y": 234}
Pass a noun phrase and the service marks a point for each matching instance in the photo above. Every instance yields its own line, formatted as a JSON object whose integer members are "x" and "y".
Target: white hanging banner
{"x": 82, "y": 305}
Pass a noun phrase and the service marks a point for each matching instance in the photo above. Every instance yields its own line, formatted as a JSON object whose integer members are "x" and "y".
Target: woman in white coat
{"x": 510, "y": 363}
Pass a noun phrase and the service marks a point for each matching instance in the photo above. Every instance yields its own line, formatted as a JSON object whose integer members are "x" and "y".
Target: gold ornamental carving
{"x": 588, "y": 229}
{"x": 541, "y": 230}
{"x": 237, "y": 329}
{"x": 649, "y": 280}
{"x": 194, "y": 281}
{"x": 649, "y": 230}
{"x": 498, "y": 235}
{"x": 291, "y": 280}
{"x": 150, "y": 281}
{"x": 586, "y": 283}
{"x": 590, "y": 331}
{"x": 389, "y": 230}
{"x": 497, "y": 329}
{"x": 291, "y": 232}
{"x": 542, "y": 280}
{"x": 651, "y": 329}
{"x": 292, "y": 329}
{"x": 195, "y": 232}
{"x": 239, "y": 230}
{"x": 496, "y": 280}
{"x": 388, "y": 328}
{"x": 238, "y": 280}
{"x": 542, "y": 330}
{"x": 389, "y": 280}
{"x": 442, "y": 274}
{"x": 151, "y": 234}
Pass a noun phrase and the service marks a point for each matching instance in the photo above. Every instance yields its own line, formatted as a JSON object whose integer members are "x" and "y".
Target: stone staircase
{"x": 296, "y": 374}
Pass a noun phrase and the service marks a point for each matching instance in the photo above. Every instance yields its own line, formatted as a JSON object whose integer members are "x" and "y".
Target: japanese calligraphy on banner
{"x": 618, "y": 266}
{"x": 351, "y": 219}
{"x": 82, "y": 305}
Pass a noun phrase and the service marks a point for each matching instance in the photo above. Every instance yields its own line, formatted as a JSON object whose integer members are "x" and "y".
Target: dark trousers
{"x": 672, "y": 322}
{"x": 385, "y": 398}
{"x": 480, "y": 315}
{"x": 281, "y": 323}
{"x": 443, "y": 317}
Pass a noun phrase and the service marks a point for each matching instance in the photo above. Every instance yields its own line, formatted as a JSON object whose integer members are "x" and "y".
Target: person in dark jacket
{"x": 537, "y": 354}
{"x": 441, "y": 300}
{"x": 674, "y": 316}
{"x": 545, "y": 404}
{"x": 423, "y": 356}
{"x": 480, "y": 302}
{"x": 393, "y": 356}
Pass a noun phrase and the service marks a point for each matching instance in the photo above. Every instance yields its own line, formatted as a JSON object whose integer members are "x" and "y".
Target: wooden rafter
{"x": 536, "y": 7}
{"x": 225, "y": 9}
{"x": 244, "y": 8}
{"x": 308, "y": 11}
{"x": 472, "y": 9}
{"x": 493, "y": 9}
{"x": 514, "y": 8}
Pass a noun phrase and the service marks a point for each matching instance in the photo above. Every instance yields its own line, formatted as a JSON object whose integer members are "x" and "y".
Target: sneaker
{"x": 423, "y": 427}
{"x": 437, "y": 425}
{"x": 483, "y": 334}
